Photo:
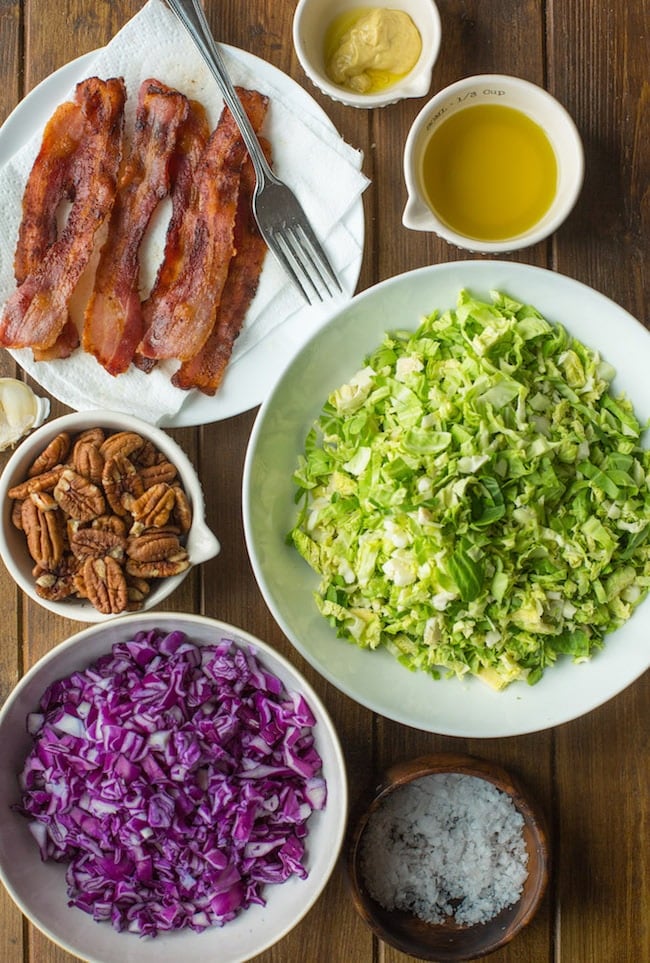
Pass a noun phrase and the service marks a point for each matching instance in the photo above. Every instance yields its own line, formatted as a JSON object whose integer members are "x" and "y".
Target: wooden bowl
{"x": 449, "y": 940}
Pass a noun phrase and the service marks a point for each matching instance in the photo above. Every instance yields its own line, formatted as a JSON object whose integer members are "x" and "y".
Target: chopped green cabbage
{"x": 475, "y": 499}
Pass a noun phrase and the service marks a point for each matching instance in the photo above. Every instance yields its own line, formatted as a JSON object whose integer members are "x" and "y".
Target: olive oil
{"x": 489, "y": 172}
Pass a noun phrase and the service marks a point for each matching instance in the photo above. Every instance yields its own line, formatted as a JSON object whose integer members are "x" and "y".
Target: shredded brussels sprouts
{"x": 475, "y": 498}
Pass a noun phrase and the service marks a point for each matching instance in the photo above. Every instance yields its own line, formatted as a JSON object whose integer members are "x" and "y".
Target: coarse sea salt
{"x": 445, "y": 846}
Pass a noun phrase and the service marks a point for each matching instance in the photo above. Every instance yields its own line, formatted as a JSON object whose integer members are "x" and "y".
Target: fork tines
{"x": 305, "y": 262}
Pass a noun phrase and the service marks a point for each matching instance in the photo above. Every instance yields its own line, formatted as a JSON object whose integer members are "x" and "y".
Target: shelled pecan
{"x": 55, "y": 454}
{"x": 104, "y": 515}
{"x": 105, "y": 585}
{"x": 153, "y": 508}
{"x": 59, "y": 585}
{"x": 87, "y": 460}
{"x": 122, "y": 483}
{"x": 44, "y": 482}
{"x": 96, "y": 543}
{"x": 44, "y": 533}
{"x": 122, "y": 442}
{"x": 154, "y": 546}
{"x": 79, "y": 497}
{"x": 162, "y": 471}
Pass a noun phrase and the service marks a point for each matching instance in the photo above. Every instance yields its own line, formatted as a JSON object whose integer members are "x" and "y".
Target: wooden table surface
{"x": 592, "y": 775}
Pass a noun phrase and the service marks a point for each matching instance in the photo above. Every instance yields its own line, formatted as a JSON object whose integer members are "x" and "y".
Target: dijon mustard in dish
{"x": 370, "y": 48}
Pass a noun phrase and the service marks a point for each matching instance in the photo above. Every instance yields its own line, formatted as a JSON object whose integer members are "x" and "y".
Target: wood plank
{"x": 11, "y": 919}
{"x": 604, "y": 84}
{"x": 599, "y": 71}
{"x": 603, "y": 775}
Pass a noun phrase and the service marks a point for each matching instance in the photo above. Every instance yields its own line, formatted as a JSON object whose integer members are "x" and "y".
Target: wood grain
{"x": 591, "y": 775}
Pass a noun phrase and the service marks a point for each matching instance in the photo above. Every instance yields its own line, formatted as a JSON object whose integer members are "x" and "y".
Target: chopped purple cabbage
{"x": 176, "y": 780}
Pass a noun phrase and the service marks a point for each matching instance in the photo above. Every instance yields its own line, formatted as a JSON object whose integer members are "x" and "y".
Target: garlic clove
{"x": 20, "y": 411}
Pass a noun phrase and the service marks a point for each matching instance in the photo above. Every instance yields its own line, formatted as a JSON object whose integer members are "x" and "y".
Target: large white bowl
{"x": 374, "y": 679}
{"x": 200, "y": 542}
{"x": 39, "y": 888}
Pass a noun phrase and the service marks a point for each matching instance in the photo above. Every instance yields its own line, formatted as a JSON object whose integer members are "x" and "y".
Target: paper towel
{"x": 324, "y": 172}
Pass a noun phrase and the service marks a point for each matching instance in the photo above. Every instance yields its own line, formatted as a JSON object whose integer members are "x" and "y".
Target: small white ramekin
{"x": 311, "y": 21}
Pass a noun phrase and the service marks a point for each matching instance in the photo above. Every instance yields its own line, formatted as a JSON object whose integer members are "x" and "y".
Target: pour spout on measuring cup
{"x": 417, "y": 216}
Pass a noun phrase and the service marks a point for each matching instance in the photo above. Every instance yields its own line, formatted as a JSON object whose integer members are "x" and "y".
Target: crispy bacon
{"x": 113, "y": 317}
{"x": 36, "y": 313}
{"x": 50, "y": 182}
{"x": 206, "y": 369}
{"x": 65, "y": 344}
{"x": 190, "y": 144}
{"x": 179, "y": 322}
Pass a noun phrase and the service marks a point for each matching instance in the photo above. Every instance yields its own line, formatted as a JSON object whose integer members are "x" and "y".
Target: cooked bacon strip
{"x": 65, "y": 344}
{"x": 37, "y": 311}
{"x": 206, "y": 369}
{"x": 179, "y": 322}
{"x": 190, "y": 144}
{"x": 113, "y": 318}
{"x": 51, "y": 180}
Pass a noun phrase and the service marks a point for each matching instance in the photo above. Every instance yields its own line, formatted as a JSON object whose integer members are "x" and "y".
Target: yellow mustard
{"x": 368, "y": 49}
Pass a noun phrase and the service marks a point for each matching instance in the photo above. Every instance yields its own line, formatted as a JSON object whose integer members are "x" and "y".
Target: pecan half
{"x": 163, "y": 471}
{"x": 137, "y": 589}
{"x": 17, "y": 514}
{"x": 182, "y": 511}
{"x": 110, "y": 523}
{"x": 122, "y": 483}
{"x": 162, "y": 568}
{"x": 45, "y": 501}
{"x": 44, "y": 533}
{"x": 124, "y": 442}
{"x": 60, "y": 584}
{"x": 95, "y": 436}
{"x": 147, "y": 455}
{"x": 96, "y": 543}
{"x": 55, "y": 587}
{"x": 105, "y": 585}
{"x": 44, "y": 482}
{"x": 153, "y": 508}
{"x": 87, "y": 460}
{"x": 154, "y": 546}
{"x": 54, "y": 454}
{"x": 78, "y": 497}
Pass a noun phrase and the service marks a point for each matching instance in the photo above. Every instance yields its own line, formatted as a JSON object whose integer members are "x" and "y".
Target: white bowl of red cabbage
{"x": 171, "y": 788}
{"x": 447, "y": 501}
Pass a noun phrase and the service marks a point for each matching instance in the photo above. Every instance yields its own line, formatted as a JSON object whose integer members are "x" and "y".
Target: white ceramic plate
{"x": 39, "y": 888}
{"x": 250, "y": 377}
{"x": 468, "y": 708}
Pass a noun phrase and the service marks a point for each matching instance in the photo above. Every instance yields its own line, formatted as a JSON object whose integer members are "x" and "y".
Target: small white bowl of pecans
{"x": 102, "y": 514}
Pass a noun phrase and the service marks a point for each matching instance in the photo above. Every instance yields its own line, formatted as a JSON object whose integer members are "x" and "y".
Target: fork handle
{"x": 191, "y": 15}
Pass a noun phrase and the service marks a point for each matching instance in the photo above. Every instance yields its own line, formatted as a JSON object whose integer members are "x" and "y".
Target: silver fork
{"x": 282, "y": 222}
